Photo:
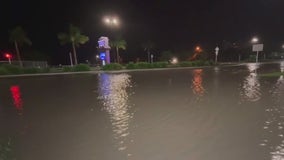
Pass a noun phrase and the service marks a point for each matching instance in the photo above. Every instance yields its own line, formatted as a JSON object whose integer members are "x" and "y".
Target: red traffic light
{"x": 7, "y": 55}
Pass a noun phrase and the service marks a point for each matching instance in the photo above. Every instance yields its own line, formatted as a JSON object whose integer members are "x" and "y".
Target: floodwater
{"x": 217, "y": 113}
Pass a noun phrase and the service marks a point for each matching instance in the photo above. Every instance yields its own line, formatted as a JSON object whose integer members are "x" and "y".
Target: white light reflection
{"x": 281, "y": 69}
{"x": 113, "y": 91}
{"x": 250, "y": 89}
{"x": 278, "y": 93}
{"x": 274, "y": 124}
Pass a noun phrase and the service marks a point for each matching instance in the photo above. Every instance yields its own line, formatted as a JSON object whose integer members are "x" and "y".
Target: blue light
{"x": 103, "y": 56}
{"x": 101, "y": 43}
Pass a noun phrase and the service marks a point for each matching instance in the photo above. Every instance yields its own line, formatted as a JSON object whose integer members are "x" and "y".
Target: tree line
{"x": 72, "y": 36}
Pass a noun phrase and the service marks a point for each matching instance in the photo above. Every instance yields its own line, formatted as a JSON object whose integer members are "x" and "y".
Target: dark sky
{"x": 172, "y": 25}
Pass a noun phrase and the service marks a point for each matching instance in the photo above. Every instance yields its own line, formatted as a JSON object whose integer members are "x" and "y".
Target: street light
{"x": 197, "y": 49}
{"x": 111, "y": 21}
{"x": 8, "y": 56}
{"x": 254, "y": 40}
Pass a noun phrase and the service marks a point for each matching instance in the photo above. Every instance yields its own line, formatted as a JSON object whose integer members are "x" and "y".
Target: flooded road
{"x": 216, "y": 113}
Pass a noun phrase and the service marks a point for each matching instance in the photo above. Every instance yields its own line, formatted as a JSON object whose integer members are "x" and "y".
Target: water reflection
{"x": 114, "y": 95}
{"x": 273, "y": 126}
{"x": 196, "y": 85}
{"x": 17, "y": 99}
{"x": 250, "y": 89}
{"x": 281, "y": 70}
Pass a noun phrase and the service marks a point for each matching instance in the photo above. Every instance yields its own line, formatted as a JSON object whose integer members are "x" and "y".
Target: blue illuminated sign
{"x": 103, "y": 56}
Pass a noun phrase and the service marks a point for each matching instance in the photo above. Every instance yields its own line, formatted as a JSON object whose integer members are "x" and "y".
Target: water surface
{"x": 216, "y": 113}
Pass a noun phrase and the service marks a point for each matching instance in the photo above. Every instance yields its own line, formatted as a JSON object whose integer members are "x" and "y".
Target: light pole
{"x": 216, "y": 54}
{"x": 70, "y": 57}
{"x": 112, "y": 22}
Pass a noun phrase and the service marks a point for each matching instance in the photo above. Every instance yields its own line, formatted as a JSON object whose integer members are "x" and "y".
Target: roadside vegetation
{"x": 8, "y": 69}
{"x": 273, "y": 74}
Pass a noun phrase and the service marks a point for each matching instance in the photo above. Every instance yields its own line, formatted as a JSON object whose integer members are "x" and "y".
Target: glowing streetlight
{"x": 174, "y": 60}
{"x": 254, "y": 40}
{"x": 8, "y": 56}
{"x": 197, "y": 48}
{"x": 282, "y": 46}
{"x": 111, "y": 21}
{"x": 107, "y": 20}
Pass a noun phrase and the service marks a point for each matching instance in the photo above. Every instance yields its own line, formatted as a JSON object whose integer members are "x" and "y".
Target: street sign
{"x": 217, "y": 50}
{"x": 257, "y": 47}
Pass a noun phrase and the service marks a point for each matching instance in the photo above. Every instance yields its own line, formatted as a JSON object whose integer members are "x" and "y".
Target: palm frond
{"x": 18, "y": 34}
{"x": 63, "y": 38}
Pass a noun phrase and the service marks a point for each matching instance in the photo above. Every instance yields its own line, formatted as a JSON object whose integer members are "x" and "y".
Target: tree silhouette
{"x": 74, "y": 37}
{"x": 19, "y": 37}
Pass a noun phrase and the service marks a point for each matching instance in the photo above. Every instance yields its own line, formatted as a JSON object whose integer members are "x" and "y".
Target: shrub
{"x": 31, "y": 70}
{"x": 195, "y": 63}
{"x": 160, "y": 65}
{"x": 3, "y": 71}
{"x": 131, "y": 65}
{"x": 112, "y": 66}
{"x": 45, "y": 70}
{"x": 143, "y": 65}
{"x": 208, "y": 63}
{"x": 186, "y": 64}
{"x": 81, "y": 67}
{"x": 67, "y": 69}
{"x": 12, "y": 69}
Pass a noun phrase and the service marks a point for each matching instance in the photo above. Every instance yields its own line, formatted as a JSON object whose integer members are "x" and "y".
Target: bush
{"x": 186, "y": 64}
{"x": 131, "y": 65}
{"x": 81, "y": 67}
{"x": 45, "y": 70}
{"x": 143, "y": 65}
{"x": 160, "y": 65}
{"x": 31, "y": 70}
{"x": 112, "y": 66}
{"x": 67, "y": 69}
{"x": 208, "y": 63}
{"x": 12, "y": 69}
{"x": 195, "y": 63}
{"x": 3, "y": 71}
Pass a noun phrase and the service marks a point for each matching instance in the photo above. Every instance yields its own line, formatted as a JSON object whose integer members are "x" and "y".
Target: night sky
{"x": 171, "y": 25}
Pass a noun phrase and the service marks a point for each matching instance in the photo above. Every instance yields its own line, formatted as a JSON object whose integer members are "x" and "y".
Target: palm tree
{"x": 148, "y": 46}
{"x": 19, "y": 37}
{"x": 118, "y": 44}
{"x": 74, "y": 37}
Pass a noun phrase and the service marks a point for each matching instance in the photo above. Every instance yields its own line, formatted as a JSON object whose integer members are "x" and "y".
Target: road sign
{"x": 257, "y": 47}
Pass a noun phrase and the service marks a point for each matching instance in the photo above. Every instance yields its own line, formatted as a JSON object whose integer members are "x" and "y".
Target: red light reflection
{"x": 16, "y": 94}
{"x": 197, "y": 82}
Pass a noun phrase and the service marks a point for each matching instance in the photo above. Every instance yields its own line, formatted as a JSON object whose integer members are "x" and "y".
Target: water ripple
{"x": 273, "y": 126}
{"x": 250, "y": 88}
{"x": 197, "y": 86}
{"x": 114, "y": 95}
